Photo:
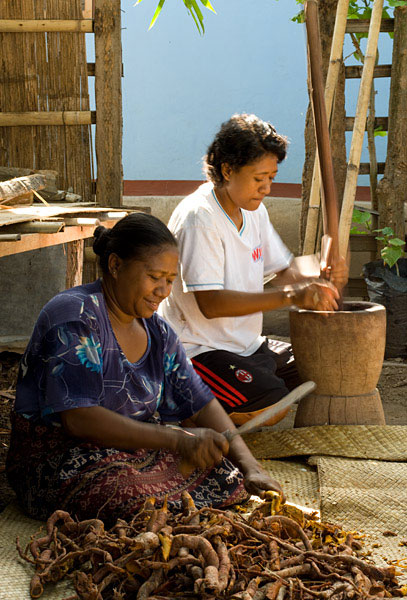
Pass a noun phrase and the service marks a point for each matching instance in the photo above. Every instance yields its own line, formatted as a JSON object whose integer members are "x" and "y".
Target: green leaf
{"x": 361, "y": 217}
{"x": 156, "y": 14}
{"x": 387, "y": 231}
{"x": 197, "y": 15}
{"x": 300, "y": 18}
{"x": 379, "y": 131}
{"x": 391, "y": 255}
{"x": 396, "y": 242}
{"x": 208, "y": 5}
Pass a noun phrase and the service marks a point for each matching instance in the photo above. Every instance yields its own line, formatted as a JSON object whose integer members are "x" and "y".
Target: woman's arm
{"x": 310, "y": 294}
{"x": 257, "y": 481}
{"x": 201, "y": 447}
{"x": 108, "y": 428}
{"x": 301, "y": 270}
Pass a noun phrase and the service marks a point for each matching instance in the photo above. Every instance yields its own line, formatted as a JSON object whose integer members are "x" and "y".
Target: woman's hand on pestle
{"x": 318, "y": 294}
{"x": 339, "y": 273}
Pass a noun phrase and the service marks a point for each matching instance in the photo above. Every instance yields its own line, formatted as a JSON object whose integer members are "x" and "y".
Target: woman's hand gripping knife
{"x": 204, "y": 446}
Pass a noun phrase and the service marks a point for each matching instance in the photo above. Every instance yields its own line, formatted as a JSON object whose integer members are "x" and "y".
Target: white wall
{"x": 179, "y": 86}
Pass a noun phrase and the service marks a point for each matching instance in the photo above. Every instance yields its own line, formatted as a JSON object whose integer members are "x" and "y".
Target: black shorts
{"x": 249, "y": 383}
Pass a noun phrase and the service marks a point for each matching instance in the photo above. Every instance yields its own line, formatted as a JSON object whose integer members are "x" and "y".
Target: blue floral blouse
{"x": 74, "y": 360}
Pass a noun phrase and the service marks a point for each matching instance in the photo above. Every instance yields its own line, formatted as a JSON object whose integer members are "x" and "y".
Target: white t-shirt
{"x": 214, "y": 255}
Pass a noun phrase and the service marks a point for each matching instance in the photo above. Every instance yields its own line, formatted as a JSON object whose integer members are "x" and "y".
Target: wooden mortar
{"x": 343, "y": 353}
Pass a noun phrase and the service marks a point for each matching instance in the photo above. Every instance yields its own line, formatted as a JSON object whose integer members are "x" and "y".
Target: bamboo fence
{"x": 44, "y": 73}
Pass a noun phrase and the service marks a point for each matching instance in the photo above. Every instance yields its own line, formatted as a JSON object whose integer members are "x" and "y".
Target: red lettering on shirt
{"x": 257, "y": 254}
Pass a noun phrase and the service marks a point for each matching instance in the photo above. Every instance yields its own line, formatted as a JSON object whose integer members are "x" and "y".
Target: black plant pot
{"x": 386, "y": 287}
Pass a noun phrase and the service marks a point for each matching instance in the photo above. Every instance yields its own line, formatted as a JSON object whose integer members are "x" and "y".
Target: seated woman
{"x": 227, "y": 247}
{"x": 101, "y": 378}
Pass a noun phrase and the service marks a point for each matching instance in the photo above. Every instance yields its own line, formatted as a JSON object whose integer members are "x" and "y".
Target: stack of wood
{"x": 19, "y": 186}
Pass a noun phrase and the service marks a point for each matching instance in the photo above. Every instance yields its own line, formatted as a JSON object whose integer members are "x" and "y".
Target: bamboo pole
{"x": 359, "y": 128}
{"x": 46, "y": 25}
{"x": 335, "y": 62}
{"x": 37, "y": 227}
{"x": 108, "y": 71}
{"x": 321, "y": 126}
{"x": 66, "y": 117}
{"x": 10, "y": 237}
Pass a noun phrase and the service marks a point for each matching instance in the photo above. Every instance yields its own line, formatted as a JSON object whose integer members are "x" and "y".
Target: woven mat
{"x": 299, "y": 481}
{"x": 379, "y": 442}
{"x": 15, "y": 574}
{"x": 369, "y": 496}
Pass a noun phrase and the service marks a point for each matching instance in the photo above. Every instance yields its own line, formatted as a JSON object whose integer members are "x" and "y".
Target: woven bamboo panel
{"x": 46, "y": 72}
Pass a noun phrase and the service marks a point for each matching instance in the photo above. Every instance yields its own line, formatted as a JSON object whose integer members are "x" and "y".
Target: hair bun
{"x": 100, "y": 239}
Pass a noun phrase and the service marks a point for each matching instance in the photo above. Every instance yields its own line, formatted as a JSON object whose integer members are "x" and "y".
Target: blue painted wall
{"x": 179, "y": 86}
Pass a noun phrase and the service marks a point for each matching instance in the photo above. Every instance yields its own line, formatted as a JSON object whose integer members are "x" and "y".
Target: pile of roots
{"x": 273, "y": 553}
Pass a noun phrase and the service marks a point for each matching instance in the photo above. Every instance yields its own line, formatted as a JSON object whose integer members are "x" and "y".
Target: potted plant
{"x": 386, "y": 280}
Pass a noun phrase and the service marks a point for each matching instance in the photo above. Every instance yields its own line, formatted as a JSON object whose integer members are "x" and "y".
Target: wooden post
{"x": 335, "y": 62}
{"x": 392, "y": 189}
{"x": 359, "y": 128}
{"x": 108, "y": 71}
{"x": 74, "y": 263}
{"x": 316, "y": 87}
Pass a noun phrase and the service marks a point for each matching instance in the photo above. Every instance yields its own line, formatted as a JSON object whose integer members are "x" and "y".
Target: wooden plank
{"x": 43, "y": 240}
{"x": 87, "y": 9}
{"x": 46, "y": 25}
{"x": 355, "y": 72}
{"x": 63, "y": 117}
{"x": 362, "y": 25}
{"x": 33, "y": 212}
{"x": 383, "y": 122}
{"x": 364, "y": 168}
{"x": 74, "y": 263}
{"x": 108, "y": 139}
{"x": 363, "y": 243}
{"x": 356, "y": 288}
{"x": 91, "y": 69}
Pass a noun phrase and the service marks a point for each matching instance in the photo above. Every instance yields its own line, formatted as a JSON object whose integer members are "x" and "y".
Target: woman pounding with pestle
{"x": 227, "y": 248}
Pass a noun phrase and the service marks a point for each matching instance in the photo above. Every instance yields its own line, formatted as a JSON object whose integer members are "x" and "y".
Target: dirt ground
{"x": 392, "y": 386}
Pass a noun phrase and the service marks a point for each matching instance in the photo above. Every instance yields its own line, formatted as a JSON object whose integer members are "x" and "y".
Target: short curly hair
{"x": 239, "y": 142}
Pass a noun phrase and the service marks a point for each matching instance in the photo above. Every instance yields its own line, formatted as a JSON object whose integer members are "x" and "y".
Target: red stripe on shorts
{"x": 215, "y": 392}
{"x": 238, "y": 397}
